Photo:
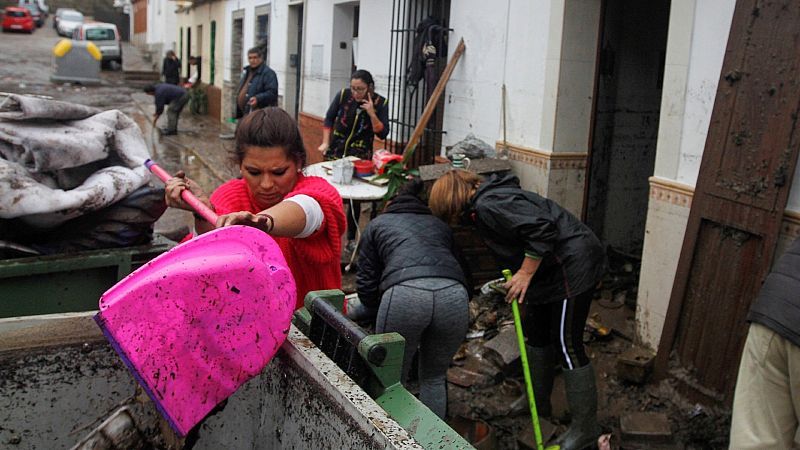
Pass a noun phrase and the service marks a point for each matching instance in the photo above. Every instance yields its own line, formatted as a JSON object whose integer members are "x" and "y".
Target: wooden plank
{"x": 744, "y": 182}
{"x": 434, "y": 98}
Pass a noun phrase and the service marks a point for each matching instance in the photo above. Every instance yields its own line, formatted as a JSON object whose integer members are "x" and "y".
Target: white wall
{"x": 162, "y": 25}
{"x": 317, "y": 56}
{"x": 712, "y": 21}
{"x": 505, "y": 42}
{"x": 321, "y": 38}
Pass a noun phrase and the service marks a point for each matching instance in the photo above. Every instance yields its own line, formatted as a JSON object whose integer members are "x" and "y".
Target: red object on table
{"x": 363, "y": 168}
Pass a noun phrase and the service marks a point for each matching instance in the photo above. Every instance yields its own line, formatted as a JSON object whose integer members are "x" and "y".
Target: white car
{"x": 68, "y": 21}
{"x": 105, "y": 36}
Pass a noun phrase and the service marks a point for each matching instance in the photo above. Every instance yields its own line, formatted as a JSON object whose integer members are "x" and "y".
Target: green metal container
{"x": 68, "y": 282}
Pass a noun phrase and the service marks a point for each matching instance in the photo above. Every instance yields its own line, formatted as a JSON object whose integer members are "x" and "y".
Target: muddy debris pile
{"x": 486, "y": 387}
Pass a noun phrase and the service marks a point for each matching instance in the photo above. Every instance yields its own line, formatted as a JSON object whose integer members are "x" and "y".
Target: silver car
{"x": 105, "y": 36}
{"x": 68, "y": 22}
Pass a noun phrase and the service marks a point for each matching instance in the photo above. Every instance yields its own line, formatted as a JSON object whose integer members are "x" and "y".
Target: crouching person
{"x": 168, "y": 94}
{"x": 408, "y": 274}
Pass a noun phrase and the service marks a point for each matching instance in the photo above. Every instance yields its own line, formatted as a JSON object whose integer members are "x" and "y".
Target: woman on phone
{"x": 356, "y": 115}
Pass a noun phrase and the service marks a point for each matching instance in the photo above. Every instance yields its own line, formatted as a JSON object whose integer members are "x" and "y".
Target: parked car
{"x": 16, "y": 18}
{"x": 68, "y": 22}
{"x": 43, "y": 8}
{"x": 36, "y": 13}
{"x": 58, "y": 14}
{"x": 105, "y": 36}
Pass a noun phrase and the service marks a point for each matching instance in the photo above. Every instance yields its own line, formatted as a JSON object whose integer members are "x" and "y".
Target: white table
{"x": 357, "y": 190}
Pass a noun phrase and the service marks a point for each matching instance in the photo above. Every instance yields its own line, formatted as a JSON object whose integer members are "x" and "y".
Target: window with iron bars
{"x": 418, "y": 55}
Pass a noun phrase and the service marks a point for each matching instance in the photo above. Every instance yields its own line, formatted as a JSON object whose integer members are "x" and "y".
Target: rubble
{"x": 635, "y": 364}
{"x": 645, "y": 430}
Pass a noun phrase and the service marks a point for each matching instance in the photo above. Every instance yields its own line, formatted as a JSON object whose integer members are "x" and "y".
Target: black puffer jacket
{"x": 778, "y": 303}
{"x": 404, "y": 243}
{"x": 515, "y": 223}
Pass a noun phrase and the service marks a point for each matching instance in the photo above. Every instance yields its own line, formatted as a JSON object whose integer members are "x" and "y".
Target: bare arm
{"x": 285, "y": 219}
{"x": 369, "y": 107}
{"x": 518, "y": 286}
{"x": 326, "y": 139}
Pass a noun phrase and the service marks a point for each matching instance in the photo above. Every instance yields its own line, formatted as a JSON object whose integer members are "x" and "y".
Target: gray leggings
{"x": 432, "y": 314}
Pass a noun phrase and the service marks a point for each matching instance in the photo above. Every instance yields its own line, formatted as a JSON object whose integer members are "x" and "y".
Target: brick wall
{"x": 311, "y": 130}
{"x": 139, "y": 16}
{"x": 214, "y": 101}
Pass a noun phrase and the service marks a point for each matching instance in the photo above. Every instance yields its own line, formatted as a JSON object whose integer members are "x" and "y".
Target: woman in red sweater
{"x": 303, "y": 214}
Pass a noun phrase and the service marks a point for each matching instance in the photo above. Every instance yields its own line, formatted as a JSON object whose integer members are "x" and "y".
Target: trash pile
{"x": 71, "y": 178}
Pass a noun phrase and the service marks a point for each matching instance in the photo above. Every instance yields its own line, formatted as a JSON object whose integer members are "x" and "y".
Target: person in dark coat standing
{"x": 557, "y": 263}
{"x": 168, "y": 94}
{"x": 407, "y": 272}
{"x": 258, "y": 86}
{"x": 171, "y": 68}
{"x": 766, "y": 404}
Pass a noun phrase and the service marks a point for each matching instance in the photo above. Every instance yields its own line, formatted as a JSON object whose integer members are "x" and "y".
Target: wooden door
{"x": 744, "y": 181}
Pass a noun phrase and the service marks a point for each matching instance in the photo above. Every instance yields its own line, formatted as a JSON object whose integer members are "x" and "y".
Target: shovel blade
{"x": 200, "y": 320}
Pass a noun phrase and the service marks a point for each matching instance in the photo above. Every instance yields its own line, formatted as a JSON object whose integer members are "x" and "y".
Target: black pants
{"x": 561, "y": 325}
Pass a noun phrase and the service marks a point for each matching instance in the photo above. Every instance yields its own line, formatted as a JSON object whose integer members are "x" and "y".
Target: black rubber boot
{"x": 541, "y": 361}
{"x": 582, "y": 400}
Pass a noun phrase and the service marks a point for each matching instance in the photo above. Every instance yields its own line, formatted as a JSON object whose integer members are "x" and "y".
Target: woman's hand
{"x": 176, "y": 185}
{"x": 263, "y": 222}
{"x": 323, "y": 147}
{"x": 517, "y": 287}
{"x": 368, "y": 106}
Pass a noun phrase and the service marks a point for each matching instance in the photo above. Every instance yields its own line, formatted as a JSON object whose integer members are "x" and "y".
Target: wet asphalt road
{"x": 26, "y": 63}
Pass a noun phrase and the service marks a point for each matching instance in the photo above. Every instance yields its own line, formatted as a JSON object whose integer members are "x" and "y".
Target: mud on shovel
{"x": 523, "y": 356}
{"x": 200, "y": 320}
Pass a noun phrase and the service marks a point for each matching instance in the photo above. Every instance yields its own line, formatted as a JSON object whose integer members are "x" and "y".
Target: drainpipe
{"x": 300, "y": 65}
{"x": 503, "y": 89}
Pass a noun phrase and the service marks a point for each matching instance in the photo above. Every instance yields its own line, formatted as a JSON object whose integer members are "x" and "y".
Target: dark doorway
{"x": 188, "y": 47}
{"x": 237, "y": 52}
{"x": 633, "y": 42}
{"x": 294, "y": 50}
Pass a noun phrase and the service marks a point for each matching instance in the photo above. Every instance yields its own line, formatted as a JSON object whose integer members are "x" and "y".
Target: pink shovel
{"x": 200, "y": 320}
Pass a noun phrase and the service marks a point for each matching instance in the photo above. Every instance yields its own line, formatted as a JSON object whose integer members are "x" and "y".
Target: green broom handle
{"x": 523, "y": 355}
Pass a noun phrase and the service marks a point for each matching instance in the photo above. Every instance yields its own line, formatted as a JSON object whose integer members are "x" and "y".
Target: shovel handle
{"x": 186, "y": 195}
{"x": 523, "y": 356}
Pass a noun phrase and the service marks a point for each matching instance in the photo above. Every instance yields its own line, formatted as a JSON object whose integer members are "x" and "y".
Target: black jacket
{"x": 263, "y": 86}
{"x": 404, "y": 243}
{"x": 351, "y": 127}
{"x": 778, "y": 303}
{"x": 171, "y": 69}
{"x": 515, "y": 223}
